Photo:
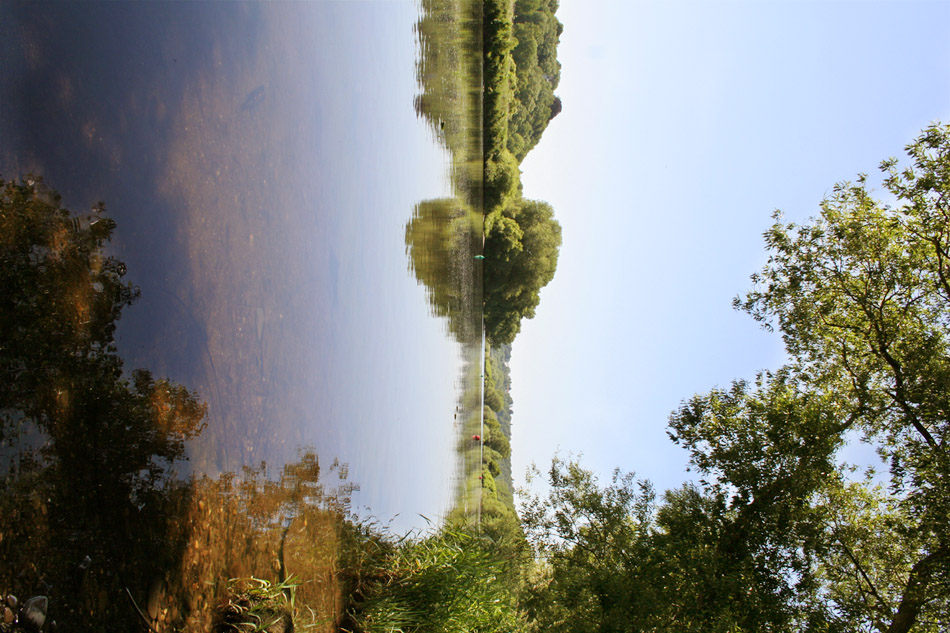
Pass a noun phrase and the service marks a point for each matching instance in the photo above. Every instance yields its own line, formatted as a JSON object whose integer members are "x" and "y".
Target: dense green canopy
{"x": 521, "y": 251}
{"x": 537, "y": 73}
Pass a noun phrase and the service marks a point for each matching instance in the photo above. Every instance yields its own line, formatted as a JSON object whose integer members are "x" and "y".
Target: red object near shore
{"x": 476, "y": 437}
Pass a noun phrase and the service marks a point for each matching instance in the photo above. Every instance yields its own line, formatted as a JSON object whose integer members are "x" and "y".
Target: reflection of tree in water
{"x": 87, "y": 452}
{"x": 91, "y": 504}
{"x": 448, "y": 68}
{"x": 449, "y": 76}
{"x": 287, "y": 528}
{"x": 441, "y": 244}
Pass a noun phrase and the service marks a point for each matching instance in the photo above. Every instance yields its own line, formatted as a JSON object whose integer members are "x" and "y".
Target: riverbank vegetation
{"x": 521, "y": 75}
{"x": 493, "y": 112}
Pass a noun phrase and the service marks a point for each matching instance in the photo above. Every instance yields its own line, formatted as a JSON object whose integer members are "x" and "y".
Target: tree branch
{"x": 915, "y": 591}
{"x": 860, "y": 568}
{"x": 901, "y": 398}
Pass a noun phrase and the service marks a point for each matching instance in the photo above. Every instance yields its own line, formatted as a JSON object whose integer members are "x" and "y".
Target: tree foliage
{"x": 521, "y": 254}
{"x": 780, "y": 534}
{"x": 581, "y": 522}
{"x": 537, "y": 73}
{"x": 612, "y": 559}
{"x": 862, "y": 299}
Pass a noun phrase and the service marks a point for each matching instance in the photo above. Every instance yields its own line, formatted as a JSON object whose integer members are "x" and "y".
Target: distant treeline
{"x": 497, "y": 461}
{"x": 522, "y": 237}
{"x": 521, "y": 74}
{"x": 487, "y": 73}
{"x": 499, "y": 520}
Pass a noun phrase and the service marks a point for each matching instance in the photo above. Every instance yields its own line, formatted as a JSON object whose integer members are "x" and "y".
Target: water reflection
{"x": 262, "y": 161}
{"x": 93, "y": 507}
{"x": 449, "y": 74}
{"x": 445, "y": 237}
{"x": 441, "y": 243}
{"x": 88, "y": 456}
{"x": 240, "y": 151}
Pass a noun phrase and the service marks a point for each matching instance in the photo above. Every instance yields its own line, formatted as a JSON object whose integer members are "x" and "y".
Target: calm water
{"x": 261, "y": 163}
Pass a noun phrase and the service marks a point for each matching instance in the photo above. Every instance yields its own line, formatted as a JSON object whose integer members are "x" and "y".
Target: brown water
{"x": 268, "y": 178}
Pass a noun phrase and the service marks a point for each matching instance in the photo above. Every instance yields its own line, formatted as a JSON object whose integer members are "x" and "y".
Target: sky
{"x": 685, "y": 125}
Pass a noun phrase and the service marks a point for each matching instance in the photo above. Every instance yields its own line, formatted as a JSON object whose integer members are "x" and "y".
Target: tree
{"x": 611, "y": 559}
{"x": 537, "y": 32}
{"x": 861, "y": 297}
{"x": 780, "y": 534}
{"x": 495, "y": 438}
{"x": 766, "y": 454}
{"x": 521, "y": 252}
{"x": 591, "y": 543}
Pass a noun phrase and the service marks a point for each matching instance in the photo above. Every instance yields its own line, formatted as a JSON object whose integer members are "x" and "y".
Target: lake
{"x": 282, "y": 223}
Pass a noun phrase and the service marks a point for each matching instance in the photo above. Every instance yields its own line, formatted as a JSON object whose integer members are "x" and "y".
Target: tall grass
{"x": 448, "y": 581}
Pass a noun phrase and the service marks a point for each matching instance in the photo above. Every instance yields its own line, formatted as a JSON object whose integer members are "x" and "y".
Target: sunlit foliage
{"x": 521, "y": 255}
{"x": 780, "y": 534}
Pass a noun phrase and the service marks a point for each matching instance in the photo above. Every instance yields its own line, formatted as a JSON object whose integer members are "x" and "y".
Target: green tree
{"x": 779, "y": 534}
{"x": 612, "y": 560}
{"x": 590, "y": 542}
{"x": 493, "y": 399}
{"x": 495, "y": 439}
{"x": 861, "y": 297}
{"x": 537, "y": 71}
{"x": 521, "y": 252}
{"x": 766, "y": 453}
{"x": 501, "y": 182}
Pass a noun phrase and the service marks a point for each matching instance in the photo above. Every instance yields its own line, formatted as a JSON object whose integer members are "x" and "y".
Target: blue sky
{"x": 685, "y": 124}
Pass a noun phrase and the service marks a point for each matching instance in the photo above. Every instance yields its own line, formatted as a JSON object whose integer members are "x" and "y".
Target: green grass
{"x": 449, "y": 581}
